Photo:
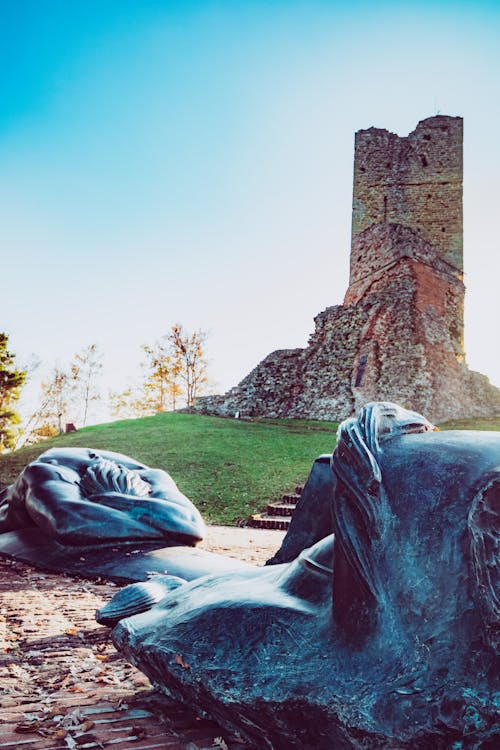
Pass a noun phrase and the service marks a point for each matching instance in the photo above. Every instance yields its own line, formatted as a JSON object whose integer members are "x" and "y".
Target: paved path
{"x": 63, "y": 685}
{"x": 252, "y": 545}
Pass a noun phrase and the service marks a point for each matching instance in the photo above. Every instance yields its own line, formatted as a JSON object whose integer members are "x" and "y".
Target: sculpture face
{"x": 397, "y": 647}
{"x": 81, "y": 496}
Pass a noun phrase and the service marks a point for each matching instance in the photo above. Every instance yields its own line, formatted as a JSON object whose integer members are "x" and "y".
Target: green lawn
{"x": 229, "y": 468}
{"x": 476, "y": 423}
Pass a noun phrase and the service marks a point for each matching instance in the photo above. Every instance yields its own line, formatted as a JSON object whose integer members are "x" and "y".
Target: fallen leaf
{"x": 27, "y": 726}
{"x": 86, "y": 726}
{"x": 180, "y": 661}
{"x": 139, "y": 732}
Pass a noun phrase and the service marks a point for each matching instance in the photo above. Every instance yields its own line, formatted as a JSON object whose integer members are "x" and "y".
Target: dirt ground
{"x": 251, "y": 545}
{"x": 63, "y": 685}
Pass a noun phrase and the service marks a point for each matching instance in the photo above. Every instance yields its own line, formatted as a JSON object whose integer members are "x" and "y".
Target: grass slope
{"x": 229, "y": 468}
{"x": 476, "y": 423}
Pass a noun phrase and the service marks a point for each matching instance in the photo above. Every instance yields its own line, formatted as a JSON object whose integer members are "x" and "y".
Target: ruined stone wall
{"x": 313, "y": 382}
{"x": 439, "y": 285}
{"x": 268, "y": 390}
{"x": 415, "y": 181}
{"x": 396, "y": 344}
{"x": 409, "y": 345}
{"x": 399, "y": 334}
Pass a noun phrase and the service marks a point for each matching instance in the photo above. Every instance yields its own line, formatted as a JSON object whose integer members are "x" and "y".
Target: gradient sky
{"x": 192, "y": 161}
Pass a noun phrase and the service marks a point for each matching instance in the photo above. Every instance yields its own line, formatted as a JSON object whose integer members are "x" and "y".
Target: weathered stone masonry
{"x": 399, "y": 334}
{"x": 415, "y": 181}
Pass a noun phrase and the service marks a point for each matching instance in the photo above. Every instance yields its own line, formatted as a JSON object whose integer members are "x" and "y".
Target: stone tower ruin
{"x": 399, "y": 334}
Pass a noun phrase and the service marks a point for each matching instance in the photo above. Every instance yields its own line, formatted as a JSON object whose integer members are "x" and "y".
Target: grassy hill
{"x": 229, "y": 468}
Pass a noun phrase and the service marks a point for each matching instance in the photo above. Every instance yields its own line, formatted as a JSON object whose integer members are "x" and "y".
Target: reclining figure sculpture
{"x": 125, "y": 514}
{"x": 383, "y": 634}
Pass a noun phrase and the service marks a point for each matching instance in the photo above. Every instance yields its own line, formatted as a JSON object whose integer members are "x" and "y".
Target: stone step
{"x": 291, "y": 497}
{"x": 280, "y": 509}
{"x": 263, "y": 521}
{"x": 277, "y": 515}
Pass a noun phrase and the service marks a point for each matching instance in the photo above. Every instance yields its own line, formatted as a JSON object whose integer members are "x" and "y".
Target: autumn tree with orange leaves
{"x": 175, "y": 371}
{"x": 188, "y": 348}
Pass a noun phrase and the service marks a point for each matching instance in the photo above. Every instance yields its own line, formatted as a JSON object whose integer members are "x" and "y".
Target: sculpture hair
{"x": 108, "y": 476}
{"x": 358, "y": 516}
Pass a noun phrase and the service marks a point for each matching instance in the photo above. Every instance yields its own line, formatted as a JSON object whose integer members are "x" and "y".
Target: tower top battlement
{"x": 415, "y": 181}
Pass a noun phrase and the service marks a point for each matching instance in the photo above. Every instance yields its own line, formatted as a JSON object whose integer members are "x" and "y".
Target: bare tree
{"x": 63, "y": 393}
{"x": 56, "y": 396}
{"x": 130, "y": 403}
{"x": 85, "y": 371}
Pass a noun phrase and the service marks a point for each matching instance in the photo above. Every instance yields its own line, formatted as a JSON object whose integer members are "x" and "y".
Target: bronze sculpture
{"x": 131, "y": 520}
{"x": 384, "y": 635}
{"x": 80, "y": 496}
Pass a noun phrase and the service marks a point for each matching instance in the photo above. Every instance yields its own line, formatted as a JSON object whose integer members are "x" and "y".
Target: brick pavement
{"x": 63, "y": 685}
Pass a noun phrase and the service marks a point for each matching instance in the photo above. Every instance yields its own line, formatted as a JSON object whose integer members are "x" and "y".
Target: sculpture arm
{"x": 50, "y": 494}
{"x": 64, "y": 515}
{"x": 163, "y": 486}
{"x": 174, "y": 515}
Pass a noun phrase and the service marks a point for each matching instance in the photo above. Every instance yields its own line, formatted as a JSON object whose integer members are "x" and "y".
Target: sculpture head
{"x": 103, "y": 475}
{"x": 415, "y": 514}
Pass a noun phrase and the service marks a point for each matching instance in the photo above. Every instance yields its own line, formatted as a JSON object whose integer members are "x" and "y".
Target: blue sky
{"x": 192, "y": 161}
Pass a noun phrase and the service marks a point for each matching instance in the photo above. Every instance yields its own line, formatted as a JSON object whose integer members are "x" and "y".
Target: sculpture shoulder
{"x": 80, "y": 458}
{"x": 161, "y": 483}
{"x": 38, "y": 473}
